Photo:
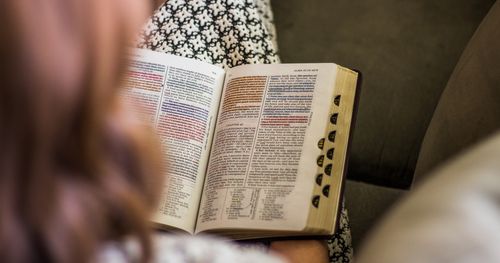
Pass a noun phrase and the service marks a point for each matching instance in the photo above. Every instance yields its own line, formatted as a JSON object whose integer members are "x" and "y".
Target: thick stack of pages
{"x": 255, "y": 151}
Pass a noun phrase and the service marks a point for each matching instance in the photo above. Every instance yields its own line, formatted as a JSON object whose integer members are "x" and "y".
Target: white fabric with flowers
{"x": 226, "y": 33}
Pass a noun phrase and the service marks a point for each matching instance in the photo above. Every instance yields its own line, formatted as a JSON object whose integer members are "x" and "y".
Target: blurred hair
{"x": 74, "y": 171}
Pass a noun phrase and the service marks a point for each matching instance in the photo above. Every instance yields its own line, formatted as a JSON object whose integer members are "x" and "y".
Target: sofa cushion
{"x": 469, "y": 107}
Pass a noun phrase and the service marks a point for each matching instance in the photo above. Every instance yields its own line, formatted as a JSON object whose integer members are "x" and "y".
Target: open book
{"x": 255, "y": 151}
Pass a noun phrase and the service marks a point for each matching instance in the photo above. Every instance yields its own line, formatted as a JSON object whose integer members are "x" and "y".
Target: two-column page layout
{"x": 255, "y": 151}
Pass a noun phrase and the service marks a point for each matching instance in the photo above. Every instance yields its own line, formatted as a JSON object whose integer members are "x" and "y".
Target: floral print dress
{"x": 227, "y": 33}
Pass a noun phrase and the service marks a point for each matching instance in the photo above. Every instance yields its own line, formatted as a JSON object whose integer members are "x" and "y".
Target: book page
{"x": 180, "y": 97}
{"x": 263, "y": 160}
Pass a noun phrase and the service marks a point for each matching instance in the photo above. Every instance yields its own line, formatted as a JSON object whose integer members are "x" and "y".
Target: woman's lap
{"x": 227, "y": 33}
